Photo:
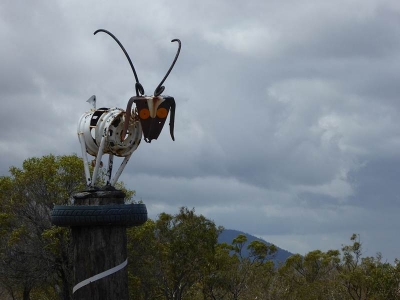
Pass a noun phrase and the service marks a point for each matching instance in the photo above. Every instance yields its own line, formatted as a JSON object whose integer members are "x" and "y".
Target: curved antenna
{"x": 159, "y": 89}
{"x": 138, "y": 86}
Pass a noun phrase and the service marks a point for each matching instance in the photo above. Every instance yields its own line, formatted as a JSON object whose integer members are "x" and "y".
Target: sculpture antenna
{"x": 138, "y": 86}
{"x": 159, "y": 89}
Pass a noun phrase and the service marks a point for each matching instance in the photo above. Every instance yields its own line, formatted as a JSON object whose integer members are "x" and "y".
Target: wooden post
{"x": 98, "y": 249}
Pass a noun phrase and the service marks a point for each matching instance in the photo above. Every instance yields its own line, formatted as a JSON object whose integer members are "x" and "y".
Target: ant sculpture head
{"x": 152, "y": 111}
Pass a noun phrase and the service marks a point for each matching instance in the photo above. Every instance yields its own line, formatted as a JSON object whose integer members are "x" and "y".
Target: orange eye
{"x": 144, "y": 113}
{"x": 162, "y": 113}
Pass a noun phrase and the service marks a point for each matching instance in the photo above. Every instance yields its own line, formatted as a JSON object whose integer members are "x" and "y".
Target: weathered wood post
{"x": 98, "y": 249}
{"x": 98, "y": 221}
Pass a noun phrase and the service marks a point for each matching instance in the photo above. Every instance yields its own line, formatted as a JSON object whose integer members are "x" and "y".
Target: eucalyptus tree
{"x": 170, "y": 255}
{"x": 36, "y": 257}
{"x": 245, "y": 275}
{"x": 368, "y": 277}
{"x": 313, "y": 276}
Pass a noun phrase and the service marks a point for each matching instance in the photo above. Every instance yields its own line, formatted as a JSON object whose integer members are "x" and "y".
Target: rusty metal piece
{"x": 109, "y": 169}
{"x": 128, "y": 113}
{"x": 153, "y": 112}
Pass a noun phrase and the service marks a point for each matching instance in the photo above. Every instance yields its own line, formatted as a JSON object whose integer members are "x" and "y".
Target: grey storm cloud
{"x": 287, "y": 112}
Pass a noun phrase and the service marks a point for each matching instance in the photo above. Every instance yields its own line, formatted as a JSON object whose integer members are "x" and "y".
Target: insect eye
{"x": 162, "y": 113}
{"x": 144, "y": 113}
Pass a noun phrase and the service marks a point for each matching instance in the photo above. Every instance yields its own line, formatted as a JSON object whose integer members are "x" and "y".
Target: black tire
{"x": 95, "y": 215}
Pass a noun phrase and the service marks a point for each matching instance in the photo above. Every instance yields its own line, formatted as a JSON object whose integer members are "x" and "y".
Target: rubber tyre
{"x": 95, "y": 215}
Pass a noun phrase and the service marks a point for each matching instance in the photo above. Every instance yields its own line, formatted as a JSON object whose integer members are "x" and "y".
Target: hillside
{"x": 227, "y": 235}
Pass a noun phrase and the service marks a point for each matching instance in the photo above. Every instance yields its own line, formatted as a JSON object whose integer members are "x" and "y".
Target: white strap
{"x": 99, "y": 276}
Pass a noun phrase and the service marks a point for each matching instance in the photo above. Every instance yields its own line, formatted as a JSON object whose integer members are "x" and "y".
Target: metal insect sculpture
{"x": 117, "y": 132}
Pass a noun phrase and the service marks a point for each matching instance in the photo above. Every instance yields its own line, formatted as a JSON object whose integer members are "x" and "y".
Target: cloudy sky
{"x": 287, "y": 111}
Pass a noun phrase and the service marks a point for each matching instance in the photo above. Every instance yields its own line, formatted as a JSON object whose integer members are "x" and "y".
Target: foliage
{"x": 36, "y": 257}
{"x": 170, "y": 255}
{"x": 369, "y": 277}
{"x": 242, "y": 271}
{"x": 312, "y": 276}
{"x": 173, "y": 257}
{"x": 169, "y": 264}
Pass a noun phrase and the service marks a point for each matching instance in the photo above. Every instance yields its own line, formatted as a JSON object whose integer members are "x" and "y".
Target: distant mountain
{"x": 227, "y": 236}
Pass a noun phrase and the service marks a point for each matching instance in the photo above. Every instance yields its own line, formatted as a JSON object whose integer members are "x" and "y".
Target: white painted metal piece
{"x": 99, "y": 133}
{"x": 120, "y": 169}
{"x": 85, "y": 159}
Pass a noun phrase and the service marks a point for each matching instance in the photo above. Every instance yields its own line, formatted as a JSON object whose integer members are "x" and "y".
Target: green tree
{"x": 368, "y": 277}
{"x": 352, "y": 273}
{"x": 313, "y": 276}
{"x": 382, "y": 277}
{"x": 35, "y": 254}
{"x": 143, "y": 267}
{"x": 173, "y": 256}
{"x": 213, "y": 284}
{"x": 242, "y": 271}
{"x": 36, "y": 257}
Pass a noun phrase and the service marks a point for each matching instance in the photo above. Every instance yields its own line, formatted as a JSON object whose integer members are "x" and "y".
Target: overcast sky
{"x": 287, "y": 119}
